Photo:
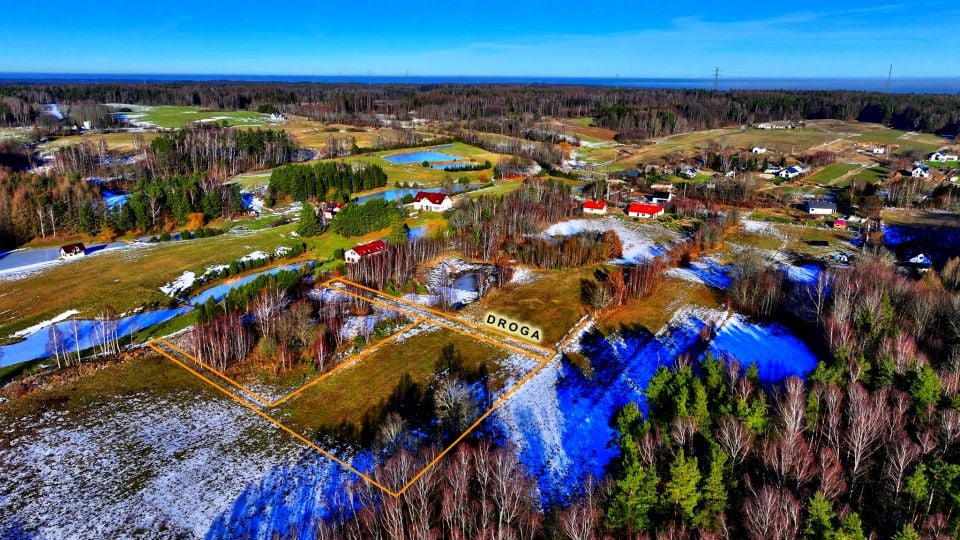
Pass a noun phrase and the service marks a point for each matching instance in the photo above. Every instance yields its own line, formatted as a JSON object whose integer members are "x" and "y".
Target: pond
{"x": 421, "y": 156}
{"x": 115, "y": 197}
{"x": 469, "y": 281}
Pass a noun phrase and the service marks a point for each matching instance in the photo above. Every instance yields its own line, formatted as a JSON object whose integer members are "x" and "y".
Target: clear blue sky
{"x": 589, "y": 38}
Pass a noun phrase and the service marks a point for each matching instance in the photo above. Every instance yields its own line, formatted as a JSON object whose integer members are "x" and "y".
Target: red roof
{"x": 595, "y": 205}
{"x": 638, "y": 208}
{"x": 434, "y": 198}
{"x": 370, "y": 248}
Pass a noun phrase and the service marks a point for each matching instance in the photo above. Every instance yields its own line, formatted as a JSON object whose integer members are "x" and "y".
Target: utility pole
{"x": 889, "y": 76}
{"x": 716, "y": 79}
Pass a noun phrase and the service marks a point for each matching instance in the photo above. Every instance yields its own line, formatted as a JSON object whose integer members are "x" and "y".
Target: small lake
{"x": 115, "y": 197}
{"x": 469, "y": 281}
{"x": 421, "y": 156}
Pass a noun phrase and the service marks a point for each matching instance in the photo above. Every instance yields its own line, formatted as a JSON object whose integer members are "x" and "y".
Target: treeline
{"x": 396, "y": 264}
{"x": 43, "y": 206}
{"x": 484, "y": 225}
{"x": 325, "y": 181}
{"x": 572, "y": 251}
{"x": 508, "y": 109}
{"x": 360, "y": 219}
{"x": 220, "y": 152}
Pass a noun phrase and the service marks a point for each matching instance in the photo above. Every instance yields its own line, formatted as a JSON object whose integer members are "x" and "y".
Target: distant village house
{"x": 941, "y": 156}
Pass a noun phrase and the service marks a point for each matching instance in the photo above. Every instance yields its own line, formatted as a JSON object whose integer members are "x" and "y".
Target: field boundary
{"x": 542, "y": 361}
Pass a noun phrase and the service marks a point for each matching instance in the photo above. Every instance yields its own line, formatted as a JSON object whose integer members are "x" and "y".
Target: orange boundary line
{"x": 542, "y": 362}
{"x": 444, "y": 315}
{"x": 448, "y": 326}
{"x": 267, "y": 417}
{"x": 271, "y": 404}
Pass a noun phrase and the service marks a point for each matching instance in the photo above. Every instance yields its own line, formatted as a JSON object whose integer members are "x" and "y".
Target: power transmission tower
{"x": 716, "y": 79}
{"x": 889, "y": 76}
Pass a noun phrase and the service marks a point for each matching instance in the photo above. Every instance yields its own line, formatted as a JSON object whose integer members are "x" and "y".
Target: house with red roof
{"x": 432, "y": 202}
{"x": 595, "y": 207}
{"x": 646, "y": 211}
{"x": 363, "y": 251}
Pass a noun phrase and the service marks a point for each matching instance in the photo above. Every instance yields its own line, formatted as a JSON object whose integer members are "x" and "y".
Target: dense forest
{"x": 325, "y": 180}
{"x": 513, "y": 109}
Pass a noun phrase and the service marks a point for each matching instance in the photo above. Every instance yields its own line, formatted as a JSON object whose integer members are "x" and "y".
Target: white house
{"x": 662, "y": 193}
{"x": 356, "y": 253}
{"x": 920, "y": 171}
{"x": 638, "y": 210}
{"x": 595, "y": 207}
{"x": 758, "y": 150}
{"x": 878, "y": 150}
{"x": 793, "y": 172}
{"x": 821, "y": 208}
{"x": 72, "y": 251}
{"x": 941, "y": 156}
{"x": 432, "y": 202}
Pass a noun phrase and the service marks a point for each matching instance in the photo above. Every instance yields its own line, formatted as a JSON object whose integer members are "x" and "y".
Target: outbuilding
{"x": 72, "y": 251}
{"x": 821, "y": 208}
{"x": 595, "y": 207}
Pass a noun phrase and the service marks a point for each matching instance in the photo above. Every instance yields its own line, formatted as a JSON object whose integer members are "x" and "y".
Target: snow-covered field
{"x": 641, "y": 242}
{"x": 179, "y": 285}
{"x": 136, "y": 466}
{"x": 706, "y": 271}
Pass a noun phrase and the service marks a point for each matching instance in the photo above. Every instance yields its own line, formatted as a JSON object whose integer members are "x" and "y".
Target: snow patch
{"x": 180, "y": 285}
{"x": 41, "y": 325}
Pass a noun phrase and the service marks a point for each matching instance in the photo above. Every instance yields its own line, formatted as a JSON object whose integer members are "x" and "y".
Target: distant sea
{"x": 904, "y": 85}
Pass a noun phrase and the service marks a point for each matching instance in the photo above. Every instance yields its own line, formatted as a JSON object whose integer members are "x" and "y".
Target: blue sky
{"x": 588, "y": 38}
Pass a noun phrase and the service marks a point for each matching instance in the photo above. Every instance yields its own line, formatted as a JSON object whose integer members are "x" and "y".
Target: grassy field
{"x": 169, "y": 116}
{"x": 870, "y": 175}
{"x": 415, "y": 172}
{"x": 150, "y": 373}
{"x": 832, "y": 172}
{"x": 654, "y": 312}
{"x": 130, "y": 278}
{"x": 908, "y": 142}
{"x": 348, "y": 394}
{"x": 120, "y": 142}
{"x": 551, "y": 302}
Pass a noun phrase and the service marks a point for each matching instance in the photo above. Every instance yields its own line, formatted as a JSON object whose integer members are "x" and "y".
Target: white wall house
{"x": 595, "y": 207}
{"x": 356, "y": 253}
{"x": 72, "y": 251}
{"x": 821, "y": 208}
{"x": 432, "y": 202}
{"x": 646, "y": 211}
{"x": 920, "y": 171}
{"x": 759, "y": 150}
{"x": 943, "y": 155}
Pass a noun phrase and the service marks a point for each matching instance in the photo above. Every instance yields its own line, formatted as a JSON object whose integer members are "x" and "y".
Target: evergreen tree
{"x": 309, "y": 225}
{"x": 682, "y": 493}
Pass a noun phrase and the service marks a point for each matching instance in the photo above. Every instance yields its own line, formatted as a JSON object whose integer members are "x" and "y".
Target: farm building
{"x": 758, "y": 150}
{"x": 943, "y": 155}
{"x": 72, "y": 251}
{"x": 821, "y": 208}
{"x": 638, "y": 210}
{"x": 432, "y": 202}
{"x": 364, "y": 250}
{"x": 595, "y": 207}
